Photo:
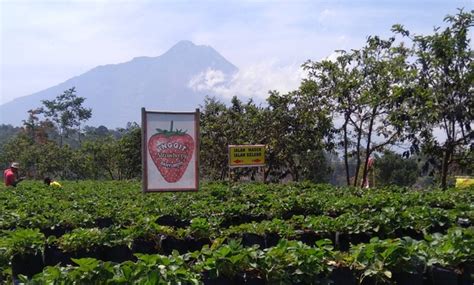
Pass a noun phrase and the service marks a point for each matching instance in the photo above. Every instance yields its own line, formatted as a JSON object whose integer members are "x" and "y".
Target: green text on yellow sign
{"x": 246, "y": 155}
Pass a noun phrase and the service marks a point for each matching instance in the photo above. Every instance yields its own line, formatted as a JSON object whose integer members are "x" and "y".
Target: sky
{"x": 43, "y": 43}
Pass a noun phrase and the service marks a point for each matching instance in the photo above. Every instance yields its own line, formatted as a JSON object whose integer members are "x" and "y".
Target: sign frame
{"x": 145, "y": 161}
{"x": 231, "y": 165}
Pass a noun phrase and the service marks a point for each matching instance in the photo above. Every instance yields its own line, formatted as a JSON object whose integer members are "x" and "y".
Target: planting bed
{"x": 93, "y": 232}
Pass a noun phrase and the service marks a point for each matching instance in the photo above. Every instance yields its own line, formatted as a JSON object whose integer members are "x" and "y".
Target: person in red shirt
{"x": 10, "y": 175}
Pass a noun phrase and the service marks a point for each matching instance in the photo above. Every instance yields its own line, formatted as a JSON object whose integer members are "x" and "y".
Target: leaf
{"x": 86, "y": 264}
{"x": 388, "y": 273}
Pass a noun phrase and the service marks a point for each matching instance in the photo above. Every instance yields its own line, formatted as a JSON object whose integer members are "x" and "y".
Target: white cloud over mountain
{"x": 253, "y": 81}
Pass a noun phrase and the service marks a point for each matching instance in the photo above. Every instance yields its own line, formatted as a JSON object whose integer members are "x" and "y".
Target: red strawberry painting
{"x": 171, "y": 152}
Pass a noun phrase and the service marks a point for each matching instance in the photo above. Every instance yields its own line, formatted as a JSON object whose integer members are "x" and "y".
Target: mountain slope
{"x": 116, "y": 92}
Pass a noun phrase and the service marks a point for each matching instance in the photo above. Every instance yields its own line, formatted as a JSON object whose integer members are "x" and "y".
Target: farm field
{"x": 94, "y": 232}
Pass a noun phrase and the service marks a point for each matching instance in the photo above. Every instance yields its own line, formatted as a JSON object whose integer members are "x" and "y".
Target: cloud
{"x": 326, "y": 15}
{"x": 253, "y": 81}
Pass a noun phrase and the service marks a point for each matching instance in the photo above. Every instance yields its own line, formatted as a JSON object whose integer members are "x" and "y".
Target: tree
{"x": 366, "y": 89}
{"x": 67, "y": 113}
{"x": 446, "y": 99}
{"x": 393, "y": 169}
{"x": 239, "y": 123}
{"x": 214, "y": 141}
{"x": 129, "y": 148}
{"x": 339, "y": 82}
{"x": 297, "y": 125}
{"x": 36, "y": 129}
{"x": 7, "y": 132}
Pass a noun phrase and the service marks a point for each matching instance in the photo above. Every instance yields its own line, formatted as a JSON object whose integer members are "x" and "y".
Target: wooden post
{"x": 144, "y": 166}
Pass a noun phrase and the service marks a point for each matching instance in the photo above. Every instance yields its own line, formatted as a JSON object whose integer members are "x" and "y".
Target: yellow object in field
{"x": 464, "y": 181}
{"x": 55, "y": 184}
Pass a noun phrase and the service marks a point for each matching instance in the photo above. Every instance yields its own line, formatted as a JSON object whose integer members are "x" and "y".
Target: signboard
{"x": 170, "y": 149}
{"x": 246, "y": 155}
{"x": 464, "y": 181}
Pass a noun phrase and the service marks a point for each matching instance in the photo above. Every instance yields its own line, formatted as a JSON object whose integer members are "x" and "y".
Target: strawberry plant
{"x": 81, "y": 239}
{"x": 380, "y": 258}
{"x": 453, "y": 249}
{"x": 292, "y": 262}
{"x": 25, "y": 246}
{"x": 225, "y": 260}
{"x": 200, "y": 228}
{"x": 25, "y": 241}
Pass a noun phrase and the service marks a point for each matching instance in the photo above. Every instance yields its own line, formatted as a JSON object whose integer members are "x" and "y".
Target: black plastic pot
{"x": 467, "y": 274}
{"x": 220, "y": 280}
{"x": 171, "y": 221}
{"x": 229, "y": 221}
{"x": 118, "y": 253}
{"x": 360, "y": 238}
{"x": 197, "y": 244}
{"x": 443, "y": 276}
{"x": 405, "y": 278}
{"x": 342, "y": 276}
{"x": 271, "y": 239}
{"x": 295, "y": 211}
{"x": 439, "y": 229}
{"x": 241, "y": 219}
{"x": 57, "y": 231}
{"x": 27, "y": 264}
{"x": 308, "y": 237}
{"x": 254, "y": 281}
{"x": 342, "y": 241}
{"x": 249, "y": 278}
{"x": 83, "y": 253}
{"x": 104, "y": 222}
{"x": 368, "y": 281}
{"x": 141, "y": 245}
{"x": 53, "y": 255}
{"x": 400, "y": 233}
{"x": 250, "y": 239}
{"x": 170, "y": 243}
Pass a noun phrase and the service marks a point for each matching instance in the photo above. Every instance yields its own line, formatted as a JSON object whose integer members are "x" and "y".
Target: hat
{"x": 15, "y": 165}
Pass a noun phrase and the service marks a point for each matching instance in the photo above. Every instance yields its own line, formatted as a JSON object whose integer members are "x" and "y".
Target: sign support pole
{"x": 144, "y": 167}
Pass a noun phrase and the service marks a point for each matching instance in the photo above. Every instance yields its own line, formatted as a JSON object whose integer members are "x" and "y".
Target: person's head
{"x": 47, "y": 180}
{"x": 14, "y": 166}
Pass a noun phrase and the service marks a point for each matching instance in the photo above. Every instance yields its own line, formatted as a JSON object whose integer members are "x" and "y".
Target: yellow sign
{"x": 246, "y": 155}
{"x": 462, "y": 182}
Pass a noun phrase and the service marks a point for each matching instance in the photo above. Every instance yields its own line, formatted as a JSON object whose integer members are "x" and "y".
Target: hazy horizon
{"x": 45, "y": 43}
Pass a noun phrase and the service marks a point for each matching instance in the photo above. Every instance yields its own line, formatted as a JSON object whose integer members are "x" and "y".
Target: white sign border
{"x": 144, "y": 134}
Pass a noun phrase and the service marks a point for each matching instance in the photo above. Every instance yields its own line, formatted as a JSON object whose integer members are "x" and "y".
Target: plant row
{"x": 147, "y": 236}
{"x": 437, "y": 259}
{"x": 104, "y": 204}
{"x": 27, "y": 251}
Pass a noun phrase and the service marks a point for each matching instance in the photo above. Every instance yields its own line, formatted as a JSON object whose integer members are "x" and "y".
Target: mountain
{"x": 117, "y": 92}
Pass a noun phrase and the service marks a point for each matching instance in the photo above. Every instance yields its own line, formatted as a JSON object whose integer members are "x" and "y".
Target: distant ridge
{"x": 116, "y": 92}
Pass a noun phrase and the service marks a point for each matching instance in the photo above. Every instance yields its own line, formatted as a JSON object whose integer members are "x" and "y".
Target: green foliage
{"x": 292, "y": 262}
{"x": 453, "y": 249}
{"x": 224, "y": 260}
{"x": 227, "y": 217}
{"x": 393, "y": 169}
{"x": 444, "y": 95}
{"x": 380, "y": 258}
{"x": 23, "y": 241}
{"x": 81, "y": 239}
{"x": 299, "y": 124}
{"x": 66, "y": 112}
{"x": 7, "y": 132}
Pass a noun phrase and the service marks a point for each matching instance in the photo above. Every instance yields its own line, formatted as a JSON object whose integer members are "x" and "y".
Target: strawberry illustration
{"x": 171, "y": 152}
